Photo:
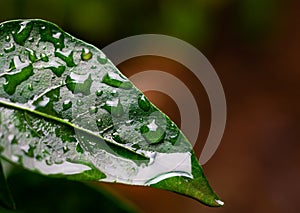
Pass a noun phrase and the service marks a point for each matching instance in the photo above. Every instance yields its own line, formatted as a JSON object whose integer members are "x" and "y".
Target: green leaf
{"x": 6, "y": 199}
{"x": 66, "y": 111}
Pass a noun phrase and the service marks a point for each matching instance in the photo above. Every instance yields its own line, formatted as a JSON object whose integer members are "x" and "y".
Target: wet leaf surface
{"x": 66, "y": 111}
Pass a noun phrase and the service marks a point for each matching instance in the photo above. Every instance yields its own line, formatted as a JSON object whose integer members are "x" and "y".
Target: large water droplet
{"x": 24, "y": 32}
{"x": 143, "y": 102}
{"x": 13, "y": 79}
{"x": 114, "y": 107}
{"x": 86, "y": 54}
{"x": 115, "y": 80}
{"x": 153, "y": 133}
{"x": 79, "y": 83}
{"x": 66, "y": 57}
{"x": 10, "y": 48}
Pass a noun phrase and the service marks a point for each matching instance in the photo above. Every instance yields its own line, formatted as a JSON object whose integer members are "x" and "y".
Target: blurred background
{"x": 254, "y": 47}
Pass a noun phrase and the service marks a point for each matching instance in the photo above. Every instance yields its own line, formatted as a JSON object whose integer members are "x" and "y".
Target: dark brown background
{"x": 253, "y": 46}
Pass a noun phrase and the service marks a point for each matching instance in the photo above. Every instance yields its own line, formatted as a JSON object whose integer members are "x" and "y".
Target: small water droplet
{"x": 67, "y": 57}
{"x": 143, "y": 102}
{"x": 99, "y": 92}
{"x": 66, "y": 149}
{"x": 79, "y": 148}
{"x": 79, "y": 102}
{"x": 31, "y": 55}
{"x": 7, "y": 38}
{"x": 99, "y": 122}
{"x": 67, "y": 104}
{"x": 114, "y": 93}
{"x": 153, "y": 133}
{"x": 57, "y": 68}
{"x": 116, "y": 137}
{"x": 10, "y": 48}
{"x": 1, "y": 54}
{"x": 49, "y": 161}
{"x": 44, "y": 57}
{"x": 102, "y": 59}
{"x": 12, "y": 139}
{"x": 114, "y": 107}
{"x": 79, "y": 83}
{"x": 86, "y": 54}
{"x": 30, "y": 87}
{"x": 43, "y": 27}
{"x": 93, "y": 109}
{"x": 115, "y": 80}
{"x": 31, "y": 39}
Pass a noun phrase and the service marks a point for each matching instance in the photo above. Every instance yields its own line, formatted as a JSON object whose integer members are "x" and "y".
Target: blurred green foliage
{"x": 35, "y": 193}
{"x": 196, "y": 21}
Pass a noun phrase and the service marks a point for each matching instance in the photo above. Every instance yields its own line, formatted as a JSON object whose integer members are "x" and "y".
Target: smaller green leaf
{"x": 6, "y": 199}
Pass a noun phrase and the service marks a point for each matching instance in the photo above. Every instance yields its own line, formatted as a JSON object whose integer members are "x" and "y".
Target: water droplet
{"x": 115, "y": 80}
{"x": 31, "y": 55}
{"x": 57, "y": 69}
{"x": 7, "y": 38}
{"x": 10, "y": 48}
{"x": 66, "y": 149}
{"x": 79, "y": 148}
{"x": 28, "y": 150}
{"x": 45, "y": 103}
{"x": 49, "y": 161}
{"x": 99, "y": 122}
{"x": 143, "y": 102}
{"x": 99, "y": 92}
{"x": 30, "y": 87}
{"x": 79, "y": 102}
{"x": 114, "y": 93}
{"x": 116, "y": 137}
{"x": 102, "y": 59}
{"x": 93, "y": 67}
{"x": 48, "y": 34}
{"x": 14, "y": 79}
{"x": 44, "y": 57}
{"x": 67, "y": 104}
{"x": 152, "y": 133}
{"x": 114, "y": 107}
{"x": 86, "y": 54}
{"x": 79, "y": 83}
{"x": 1, "y": 54}
{"x": 24, "y": 32}
{"x": 31, "y": 39}
{"x": 67, "y": 57}
{"x": 93, "y": 109}
{"x": 12, "y": 139}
